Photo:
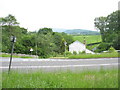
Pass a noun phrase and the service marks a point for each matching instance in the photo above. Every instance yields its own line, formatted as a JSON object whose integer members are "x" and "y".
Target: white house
{"x": 78, "y": 47}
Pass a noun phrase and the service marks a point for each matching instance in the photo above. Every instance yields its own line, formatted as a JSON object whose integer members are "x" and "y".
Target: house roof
{"x": 77, "y": 42}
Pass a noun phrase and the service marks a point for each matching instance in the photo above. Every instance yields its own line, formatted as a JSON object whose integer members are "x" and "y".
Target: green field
{"x": 89, "y": 38}
{"x": 67, "y": 79}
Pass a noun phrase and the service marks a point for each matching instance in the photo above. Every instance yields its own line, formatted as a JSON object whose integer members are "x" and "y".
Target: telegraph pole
{"x": 65, "y": 43}
{"x": 36, "y": 44}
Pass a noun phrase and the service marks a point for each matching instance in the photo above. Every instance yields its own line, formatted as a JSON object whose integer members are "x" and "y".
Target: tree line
{"x": 44, "y": 42}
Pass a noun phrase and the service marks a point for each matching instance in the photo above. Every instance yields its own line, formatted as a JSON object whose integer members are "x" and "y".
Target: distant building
{"x": 78, "y": 47}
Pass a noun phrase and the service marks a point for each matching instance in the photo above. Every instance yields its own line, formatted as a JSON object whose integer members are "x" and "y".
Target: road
{"x": 22, "y": 64}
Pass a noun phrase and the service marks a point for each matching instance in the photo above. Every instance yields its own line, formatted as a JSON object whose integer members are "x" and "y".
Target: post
{"x": 65, "y": 51}
{"x": 65, "y": 47}
{"x": 13, "y": 39}
{"x": 11, "y": 56}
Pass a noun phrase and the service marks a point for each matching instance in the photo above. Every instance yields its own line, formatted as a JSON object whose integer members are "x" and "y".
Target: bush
{"x": 103, "y": 47}
{"x": 111, "y": 50}
{"x": 53, "y": 54}
{"x": 74, "y": 52}
{"x": 68, "y": 53}
{"x": 83, "y": 52}
{"x": 80, "y": 52}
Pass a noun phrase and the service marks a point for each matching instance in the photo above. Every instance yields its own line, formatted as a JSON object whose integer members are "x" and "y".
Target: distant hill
{"x": 58, "y": 30}
{"x": 76, "y": 31}
{"x": 81, "y": 32}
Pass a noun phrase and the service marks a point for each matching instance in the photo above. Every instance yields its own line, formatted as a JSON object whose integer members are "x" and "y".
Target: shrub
{"x": 74, "y": 52}
{"x": 68, "y": 53}
{"x": 103, "y": 47}
{"x": 53, "y": 54}
{"x": 83, "y": 52}
{"x": 111, "y": 50}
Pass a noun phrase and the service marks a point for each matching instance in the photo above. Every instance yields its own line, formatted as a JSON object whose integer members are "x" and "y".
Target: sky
{"x": 65, "y": 14}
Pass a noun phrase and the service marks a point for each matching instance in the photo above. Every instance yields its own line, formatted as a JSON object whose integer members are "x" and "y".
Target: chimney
{"x": 84, "y": 42}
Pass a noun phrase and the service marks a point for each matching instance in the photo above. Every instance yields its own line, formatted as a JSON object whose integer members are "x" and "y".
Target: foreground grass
{"x": 8, "y": 55}
{"x": 102, "y": 55}
{"x": 83, "y": 79}
{"x": 0, "y": 79}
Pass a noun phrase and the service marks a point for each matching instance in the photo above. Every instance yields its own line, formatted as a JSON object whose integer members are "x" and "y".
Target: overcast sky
{"x": 67, "y": 14}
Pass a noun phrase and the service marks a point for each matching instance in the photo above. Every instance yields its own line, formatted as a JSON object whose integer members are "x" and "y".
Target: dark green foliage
{"x": 68, "y": 53}
{"x": 83, "y": 52}
{"x": 45, "y": 31}
{"x": 110, "y": 29}
{"x": 103, "y": 47}
{"x": 74, "y": 52}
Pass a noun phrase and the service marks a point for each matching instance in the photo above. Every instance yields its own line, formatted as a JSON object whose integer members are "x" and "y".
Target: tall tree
{"x": 110, "y": 28}
{"x": 100, "y": 23}
{"x": 8, "y": 22}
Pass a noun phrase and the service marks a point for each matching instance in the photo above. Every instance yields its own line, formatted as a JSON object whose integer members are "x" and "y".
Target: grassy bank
{"x": 15, "y": 56}
{"x": 84, "y": 79}
{"x": 102, "y": 55}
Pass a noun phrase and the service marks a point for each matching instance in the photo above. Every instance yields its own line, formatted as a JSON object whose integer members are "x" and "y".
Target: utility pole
{"x": 36, "y": 49}
{"x": 65, "y": 43}
{"x": 36, "y": 44}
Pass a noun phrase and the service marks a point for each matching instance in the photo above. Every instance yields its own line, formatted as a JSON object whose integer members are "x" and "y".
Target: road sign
{"x": 31, "y": 49}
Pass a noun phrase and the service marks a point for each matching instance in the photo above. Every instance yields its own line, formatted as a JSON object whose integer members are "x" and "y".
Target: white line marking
{"x": 62, "y": 66}
{"x": 105, "y": 59}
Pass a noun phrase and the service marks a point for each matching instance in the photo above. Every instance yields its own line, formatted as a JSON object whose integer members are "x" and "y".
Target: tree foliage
{"x": 110, "y": 28}
{"x": 45, "y": 42}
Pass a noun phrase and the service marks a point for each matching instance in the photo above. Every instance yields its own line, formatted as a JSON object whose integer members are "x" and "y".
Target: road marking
{"x": 62, "y": 66}
{"x": 17, "y": 60}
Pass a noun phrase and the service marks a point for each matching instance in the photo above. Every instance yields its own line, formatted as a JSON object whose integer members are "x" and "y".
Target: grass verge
{"x": 102, "y": 55}
{"x": 8, "y": 55}
{"x": 68, "y": 79}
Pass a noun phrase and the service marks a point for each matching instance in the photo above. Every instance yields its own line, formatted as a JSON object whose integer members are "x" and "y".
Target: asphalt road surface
{"x": 26, "y": 65}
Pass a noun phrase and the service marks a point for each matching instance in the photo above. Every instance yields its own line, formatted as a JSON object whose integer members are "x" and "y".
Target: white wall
{"x": 76, "y": 46}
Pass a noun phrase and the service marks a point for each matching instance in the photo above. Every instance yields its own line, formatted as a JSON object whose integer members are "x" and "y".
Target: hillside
{"x": 58, "y": 30}
{"x": 81, "y": 32}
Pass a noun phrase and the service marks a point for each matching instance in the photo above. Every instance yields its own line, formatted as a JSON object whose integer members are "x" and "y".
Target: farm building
{"x": 78, "y": 47}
